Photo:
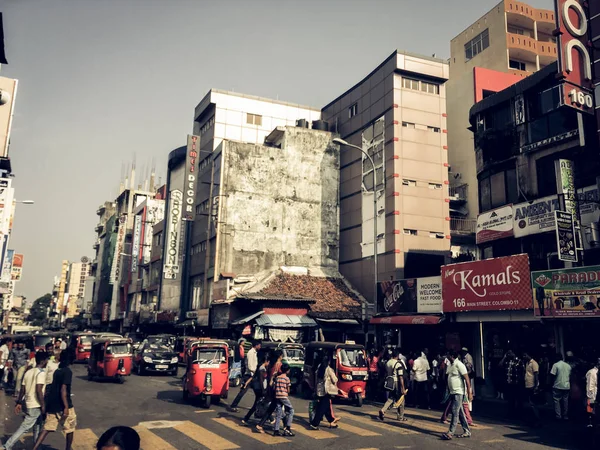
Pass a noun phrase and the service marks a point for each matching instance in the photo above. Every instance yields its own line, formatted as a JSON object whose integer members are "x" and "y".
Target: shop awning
{"x": 407, "y": 320}
{"x": 247, "y": 318}
{"x": 285, "y": 321}
{"x": 340, "y": 321}
{"x": 200, "y": 321}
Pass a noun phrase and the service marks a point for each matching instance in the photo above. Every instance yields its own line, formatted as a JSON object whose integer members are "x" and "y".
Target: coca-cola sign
{"x": 488, "y": 285}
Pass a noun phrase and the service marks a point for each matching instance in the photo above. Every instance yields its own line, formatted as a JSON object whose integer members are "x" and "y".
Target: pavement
{"x": 154, "y": 406}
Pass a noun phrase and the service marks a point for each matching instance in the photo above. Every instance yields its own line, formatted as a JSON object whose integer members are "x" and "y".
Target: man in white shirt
{"x": 459, "y": 385}
{"x": 591, "y": 389}
{"x": 32, "y": 396}
{"x": 251, "y": 366}
{"x": 5, "y": 350}
{"x": 421, "y": 370}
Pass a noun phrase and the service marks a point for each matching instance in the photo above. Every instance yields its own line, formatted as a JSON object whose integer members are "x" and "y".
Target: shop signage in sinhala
{"x": 565, "y": 237}
{"x": 495, "y": 224}
{"x": 414, "y": 295}
{"x": 488, "y": 285}
{"x": 172, "y": 242}
{"x": 573, "y": 292}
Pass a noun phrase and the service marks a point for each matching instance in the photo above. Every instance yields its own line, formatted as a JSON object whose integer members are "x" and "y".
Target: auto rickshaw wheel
{"x": 359, "y": 400}
{"x": 120, "y": 379}
{"x": 206, "y": 401}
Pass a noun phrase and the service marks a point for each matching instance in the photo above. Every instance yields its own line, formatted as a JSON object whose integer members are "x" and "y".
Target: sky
{"x": 105, "y": 82}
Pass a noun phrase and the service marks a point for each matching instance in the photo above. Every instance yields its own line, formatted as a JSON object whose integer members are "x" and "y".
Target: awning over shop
{"x": 407, "y": 320}
{"x": 200, "y": 321}
{"x": 340, "y": 321}
{"x": 285, "y": 321}
{"x": 247, "y": 318}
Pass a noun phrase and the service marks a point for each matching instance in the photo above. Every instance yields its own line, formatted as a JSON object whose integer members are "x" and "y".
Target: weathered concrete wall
{"x": 279, "y": 205}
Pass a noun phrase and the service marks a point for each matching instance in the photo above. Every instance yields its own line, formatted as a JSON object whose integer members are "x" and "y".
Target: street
{"x": 154, "y": 406}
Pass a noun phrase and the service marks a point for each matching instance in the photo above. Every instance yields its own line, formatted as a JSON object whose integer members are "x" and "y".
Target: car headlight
{"x": 174, "y": 360}
{"x": 148, "y": 359}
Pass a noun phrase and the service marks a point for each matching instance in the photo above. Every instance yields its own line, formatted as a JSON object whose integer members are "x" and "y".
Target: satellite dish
{"x": 85, "y": 259}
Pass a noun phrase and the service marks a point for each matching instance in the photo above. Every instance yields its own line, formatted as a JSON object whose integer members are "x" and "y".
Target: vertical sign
{"x": 574, "y": 62}
{"x": 565, "y": 236}
{"x": 189, "y": 188}
{"x": 116, "y": 267}
{"x": 565, "y": 181}
{"x": 17, "y": 267}
{"x": 7, "y": 266}
{"x": 173, "y": 238}
{"x": 135, "y": 249}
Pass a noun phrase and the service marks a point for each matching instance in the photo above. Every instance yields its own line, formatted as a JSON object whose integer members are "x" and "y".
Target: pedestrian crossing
{"x": 225, "y": 432}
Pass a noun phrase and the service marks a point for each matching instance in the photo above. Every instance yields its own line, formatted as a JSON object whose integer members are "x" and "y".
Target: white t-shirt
{"x": 5, "y": 352}
{"x": 63, "y": 345}
{"x": 456, "y": 381}
{"x": 421, "y": 366}
{"x": 51, "y": 367}
{"x": 32, "y": 378}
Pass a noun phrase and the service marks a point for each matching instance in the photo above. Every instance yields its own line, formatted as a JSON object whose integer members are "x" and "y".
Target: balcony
{"x": 100, "y": 210}
{"x": 459, "y": 194}
{"x": 462, "y": 227}
{"x": 99, "y": 228}
{"x": 96, "y": 245}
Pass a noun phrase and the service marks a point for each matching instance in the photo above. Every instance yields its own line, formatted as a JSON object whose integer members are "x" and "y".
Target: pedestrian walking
{"x": 532, "y": 384}
{"x": 421, "y": 369}
{"x": 561, "y": 386}
{"x": 51, "y": 367}
{"x": 59, "y": 406}
{"x": 5, "y": 349}
{"x": 282, "y": 391}
{"x": 20, "y": 358}
{"x": 119, "y": 438}
{"x": 459, "y": 385}
{"x": 31, "y": 396}
{"x": 591, "y": 390}
{"x": 467, "y": 360}
{"x": 275, "y": 365}
{"x": 258, "y": 385}
{"x": 326, "y": 388}
{"x": 251, "y": 364}
{"x": 513, "y": 373}
{"x": 395, "y": 380}
{"x": 374, "y": 372}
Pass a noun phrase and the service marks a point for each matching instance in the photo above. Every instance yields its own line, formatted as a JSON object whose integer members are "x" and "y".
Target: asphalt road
{"x": 154, "y": 405}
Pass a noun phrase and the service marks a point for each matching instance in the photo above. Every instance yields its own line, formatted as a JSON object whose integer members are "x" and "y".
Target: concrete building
{"x": 62, "y": 293}
{"x": 397, "y": 114}
{"x": 510, "y": 42}
{"x": 104, "y": 246}
{"x": 594, "y": 17}
{"x": 220, "y": 115}
{"x": 78, "y": 273}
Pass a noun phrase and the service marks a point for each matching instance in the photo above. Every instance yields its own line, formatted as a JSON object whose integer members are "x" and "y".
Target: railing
{"x": 463, "y": 226}
{"x": 459, "y": 192}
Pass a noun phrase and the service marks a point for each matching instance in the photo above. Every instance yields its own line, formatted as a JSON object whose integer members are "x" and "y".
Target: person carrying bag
{"x": 394, "y": 383}
{"x": 326, "y": 388}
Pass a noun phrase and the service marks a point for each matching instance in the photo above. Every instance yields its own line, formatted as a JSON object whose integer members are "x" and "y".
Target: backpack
{"x": 389, "y": 383}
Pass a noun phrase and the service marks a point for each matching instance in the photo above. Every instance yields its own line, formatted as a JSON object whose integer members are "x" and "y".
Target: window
{"x": 410, "y": 83}
{"x": 200, "y": 208}
{"x": 408, "y": 124}
{"x": 478, "y": 44}
{"x": 253, "y": 119}
{"x": 434, "y": 129}
{"x": 352, "y": 111}
{"x": 436, "y": 235}
{"x": 430, "y": 88}
{"x": 209, "y": 123}
{"x": 485, "y": 200}
{"x": 515, "y": 30}
{"x": 518, "y": 65}
{"x": 410, "y": 232}
{"x": 418, "y": 85}
{"x": 435, "y": 186}
{"x": 498, "y": 188}
{"x": 409, "y": 182}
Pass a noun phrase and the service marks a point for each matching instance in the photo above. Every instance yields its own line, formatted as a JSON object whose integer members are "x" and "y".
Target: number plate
{"x": 359, "y": 373}
{"x": 162, "y": 366}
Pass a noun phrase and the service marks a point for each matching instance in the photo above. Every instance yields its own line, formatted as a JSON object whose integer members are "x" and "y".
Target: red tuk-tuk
{"x": 110, "y": 358}
{"x": 81, "y": 345}
{"x": 349, "y": 360}
{"x": 182, "y": 345}
{"x": 207, "y": 371}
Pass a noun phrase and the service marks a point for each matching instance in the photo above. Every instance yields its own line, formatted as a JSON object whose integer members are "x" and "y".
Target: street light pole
{"x": 375, "y": 273}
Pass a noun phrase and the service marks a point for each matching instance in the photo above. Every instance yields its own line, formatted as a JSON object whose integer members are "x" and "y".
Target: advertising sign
{"x": 17, "y": 267}
{"x": 172, "y": 242}
{"x": 565, "y": 182}
{"x": 565, "y": 237}
{"x": 155, "y": 212}
{"x": 487, "y": 285}
{"x": 6, "y": 199}
{"x": 190, "y": 179}
{"x": 105, "y": 311}
{"x": 414, "y": 295}
{"x": 536, "y": 216}
{"x": 115, "y": 271}
{"x": 573, "y": 292}
{"x": 574, "y": 62}
{"x": 8, "y": 86}
{"x": 135, "y": 248}
{"x": 495, "y": 224}
{"x": 7, "y": 266}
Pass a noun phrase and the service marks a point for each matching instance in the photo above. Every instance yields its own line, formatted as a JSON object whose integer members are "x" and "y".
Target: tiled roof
{"x": 333, "y": 298}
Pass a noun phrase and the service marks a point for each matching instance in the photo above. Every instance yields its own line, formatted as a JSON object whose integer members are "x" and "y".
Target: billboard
{"x": 573, "y": 292}
{"x": 413, "y": 295}
{"x": 135, "y": 247}
{"x": 173, "y": 235}
{"x": 17, "y": 267}
{"x": 9, "y": 88}
{"x": 495, "y": 224}
{"x": 536, "y": 216}
{"x": 115, "y": 271}
{"x": 574, "y": 61}
{"x": 190, "y": 179}
{"x": 488, "y": 285}
{"x": 7, "y": 266}
{"x": 565, "y": 237}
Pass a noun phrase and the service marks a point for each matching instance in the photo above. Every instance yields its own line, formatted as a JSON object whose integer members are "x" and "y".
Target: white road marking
{"x": 160, "y": 424}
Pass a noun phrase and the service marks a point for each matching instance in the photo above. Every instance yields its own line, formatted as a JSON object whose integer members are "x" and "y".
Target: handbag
{"x": 262, "y": 408}
{"x": 330, "y": 387}
{"x": 389, "y": 384}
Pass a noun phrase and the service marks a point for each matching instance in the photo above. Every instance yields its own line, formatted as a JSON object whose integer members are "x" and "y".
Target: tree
{"x": 39, "y": 309}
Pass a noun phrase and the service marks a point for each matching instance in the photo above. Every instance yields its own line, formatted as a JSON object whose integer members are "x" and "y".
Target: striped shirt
{"x": 282, "y": 385}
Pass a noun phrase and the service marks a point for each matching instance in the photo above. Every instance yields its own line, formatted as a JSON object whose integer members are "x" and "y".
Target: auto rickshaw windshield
{"x": 209, "y": 356}
{"x": 41, "y": 341}
{"x": 86, "y": 339}
{"x": 293, "y": 354}
{"x": 118, "y": 349}
{"x": 352, "y": 357}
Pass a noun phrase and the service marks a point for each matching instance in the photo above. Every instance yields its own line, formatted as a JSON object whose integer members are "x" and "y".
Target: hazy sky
{"x": 104, "y": 81}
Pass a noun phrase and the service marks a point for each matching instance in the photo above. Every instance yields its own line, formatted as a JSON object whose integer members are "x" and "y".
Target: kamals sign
{"x": 487, "y": 285}
{"x": 172, "y": 243}
{"x": 495, "y": 224}
{"x": 574, "y": 61}
{"x": 189, "y": 190}
{"x": 567, "y": 292}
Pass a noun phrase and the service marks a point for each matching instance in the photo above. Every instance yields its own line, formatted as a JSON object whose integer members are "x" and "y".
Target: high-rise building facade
{"x": 397, "y": 114}
{"x": 78, "y": 273}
